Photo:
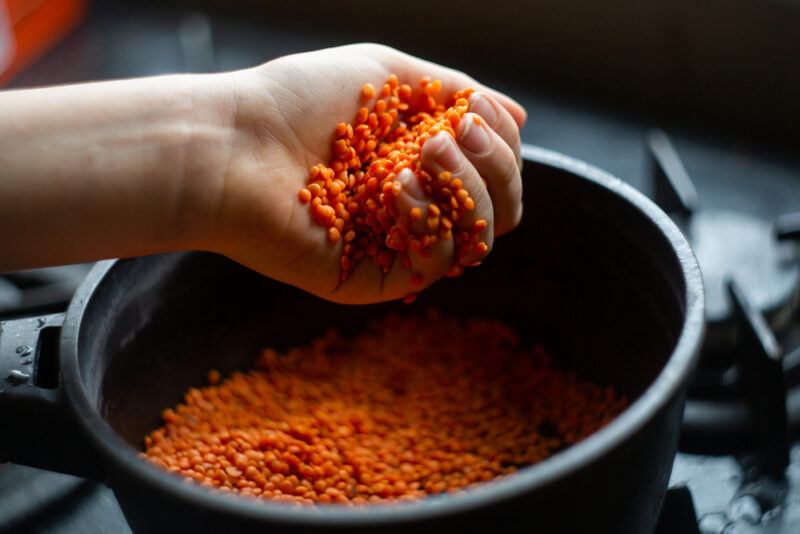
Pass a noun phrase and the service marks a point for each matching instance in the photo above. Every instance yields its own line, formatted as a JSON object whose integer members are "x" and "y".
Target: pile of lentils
{"x": 411, "y": 407}
{"x": 354, "y": 195}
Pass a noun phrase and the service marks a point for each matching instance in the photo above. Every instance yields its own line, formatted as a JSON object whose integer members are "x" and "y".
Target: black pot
{"x": 596, "y": 272}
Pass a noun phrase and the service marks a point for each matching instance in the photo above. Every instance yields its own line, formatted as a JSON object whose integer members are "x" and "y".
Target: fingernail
{"x": 447, "y": 154}
{"x": 481, "y": 105}
{"x": 411, "y": 185}
{"x": 473, "y": 136}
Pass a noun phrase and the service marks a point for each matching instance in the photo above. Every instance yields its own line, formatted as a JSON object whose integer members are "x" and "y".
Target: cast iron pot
{"x": 596, "y": 272}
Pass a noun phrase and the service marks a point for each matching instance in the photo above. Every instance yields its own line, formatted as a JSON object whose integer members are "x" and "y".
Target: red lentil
{"x": 359, "y": 180}
{"x": 368, "y": 91}
{"x": 412, "y": 406}
{"x": 304, "y": 196}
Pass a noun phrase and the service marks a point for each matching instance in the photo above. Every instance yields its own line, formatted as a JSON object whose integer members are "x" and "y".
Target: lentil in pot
{"x": 412, "y": 406}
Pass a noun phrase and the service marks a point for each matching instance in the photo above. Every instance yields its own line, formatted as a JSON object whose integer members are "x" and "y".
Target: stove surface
{"x": 729, "y": 174}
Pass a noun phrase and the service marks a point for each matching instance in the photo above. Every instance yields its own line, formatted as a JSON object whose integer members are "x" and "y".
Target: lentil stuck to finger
{"x": 410, "y": 407}
{"x": 358, "y": 183}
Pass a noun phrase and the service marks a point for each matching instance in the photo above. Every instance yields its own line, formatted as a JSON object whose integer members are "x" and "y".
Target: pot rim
{"x": 118, "y": 453}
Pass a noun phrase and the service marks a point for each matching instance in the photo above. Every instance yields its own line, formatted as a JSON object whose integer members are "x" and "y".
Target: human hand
{"x": 283, "y": 114}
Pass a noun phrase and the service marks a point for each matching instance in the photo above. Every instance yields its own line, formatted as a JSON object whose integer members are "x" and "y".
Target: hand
{"x": 284, "y": 114}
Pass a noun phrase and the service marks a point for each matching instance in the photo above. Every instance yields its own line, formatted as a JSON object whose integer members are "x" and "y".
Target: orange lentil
{"x": 411, "y": 406}
{"x": 214, "y": 377}
{"x": 368, "y": 91}
{"x": 304, "y": 195}
{"x": 333, "y": 234}
{"x": 359, "y": 180}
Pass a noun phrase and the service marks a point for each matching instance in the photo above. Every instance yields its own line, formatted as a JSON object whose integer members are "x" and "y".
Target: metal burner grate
{"x": 730, "y": 245}
{"x": 39, "y": 290}
{"x": 744, "y": 399}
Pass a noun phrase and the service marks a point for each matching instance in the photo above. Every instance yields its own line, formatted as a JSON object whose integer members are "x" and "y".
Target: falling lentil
{"x": 410, "y": 407}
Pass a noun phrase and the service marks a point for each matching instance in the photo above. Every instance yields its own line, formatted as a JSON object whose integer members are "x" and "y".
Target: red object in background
{"x": 29, "y": 28}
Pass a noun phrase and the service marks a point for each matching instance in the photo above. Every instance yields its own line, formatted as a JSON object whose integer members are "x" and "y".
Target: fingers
{"x": 499, "y": 120}
{"x": 424, "y": 269}
{"x": 413, "y": 200}
{"x": 441, "y": 153}
{"x": 514, "y": 109}
{"x": 410, "y": 67}
{"x": 453, "y": 80}
{"x": 493, "y": 159}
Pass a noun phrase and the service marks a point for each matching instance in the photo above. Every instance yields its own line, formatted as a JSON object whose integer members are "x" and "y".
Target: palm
{"x": 287, "y": 127}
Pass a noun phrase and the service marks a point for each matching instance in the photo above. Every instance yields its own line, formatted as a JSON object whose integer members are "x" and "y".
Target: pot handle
{"x": 37, "y": 427}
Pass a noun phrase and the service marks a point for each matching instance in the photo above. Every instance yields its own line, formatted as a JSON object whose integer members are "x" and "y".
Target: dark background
{"x": 722, "y": 77}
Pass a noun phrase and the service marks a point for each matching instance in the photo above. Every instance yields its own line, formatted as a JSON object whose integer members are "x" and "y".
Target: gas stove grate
{"x": 39, "y": 290}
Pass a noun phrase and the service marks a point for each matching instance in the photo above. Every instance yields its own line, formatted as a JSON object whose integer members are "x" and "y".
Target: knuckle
{"x": 377, "y": 47}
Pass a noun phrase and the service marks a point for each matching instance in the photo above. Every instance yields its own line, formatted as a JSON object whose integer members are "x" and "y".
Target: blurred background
{"x": 726, "y": 68}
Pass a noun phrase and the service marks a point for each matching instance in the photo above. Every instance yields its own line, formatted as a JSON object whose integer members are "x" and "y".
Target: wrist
{"x": 234, "y": 138}
{"x": 208, "y": 127}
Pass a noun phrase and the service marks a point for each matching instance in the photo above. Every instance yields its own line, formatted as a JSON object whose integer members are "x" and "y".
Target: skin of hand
{"x": 282, "y": 117}
{"x": 215, "y": 161}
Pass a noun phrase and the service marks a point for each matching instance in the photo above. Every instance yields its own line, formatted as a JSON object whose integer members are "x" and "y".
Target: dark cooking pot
{"x": 596, "y": 272}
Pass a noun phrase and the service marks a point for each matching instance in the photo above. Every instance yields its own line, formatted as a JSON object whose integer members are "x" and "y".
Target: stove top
{"x": 39, "y": 291}
{"x": 739, "y": 467}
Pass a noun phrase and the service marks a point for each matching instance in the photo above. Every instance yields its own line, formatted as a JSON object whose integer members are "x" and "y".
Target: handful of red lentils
{"x": 412, "y": 406}
{"x": 354, "y": 195}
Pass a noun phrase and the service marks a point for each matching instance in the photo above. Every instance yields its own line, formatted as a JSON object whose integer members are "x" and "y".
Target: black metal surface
{"x": 36, "y": 501}
{"x": 678, "y": 515}
{"x": 673, "y": 191}
{"x": 787, "y": 226}
{"x": 764, "y": 385}
{"x": 738, "y": 397}
{"x": 735, "y": 244}
{"x": 33, "y": 410}
{"x": 729, "y": 500}
{"x": 739, "y": 402}
{"x": 144, "y": 332}
{"x": 38, "y": 291}
{"x": 728, "y": 244}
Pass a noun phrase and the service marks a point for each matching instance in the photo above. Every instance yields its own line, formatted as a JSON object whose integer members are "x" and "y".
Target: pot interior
{"x": 587, "y": 274}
